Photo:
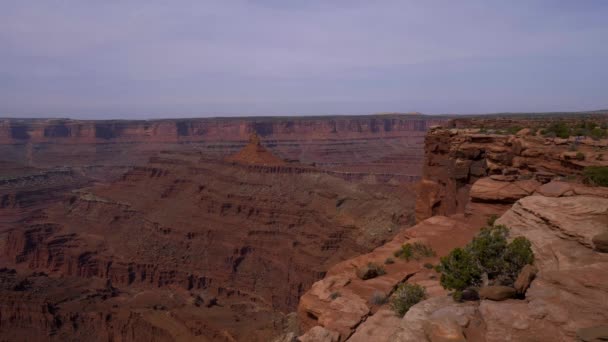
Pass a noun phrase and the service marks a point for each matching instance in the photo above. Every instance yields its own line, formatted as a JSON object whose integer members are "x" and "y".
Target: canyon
{"x": 206, "y": 229}
{"x": 255, "y": 229}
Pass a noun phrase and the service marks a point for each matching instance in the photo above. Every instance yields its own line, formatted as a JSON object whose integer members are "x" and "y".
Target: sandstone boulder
{"x": 524, "y": 279}
{"x": 369, "y": 271}
{"x": 470, "y": 294}
{"x": 497, "y": 292}
{"x": 436, "y": 318}
{"x": 378, "y": 327}
{"x": 569, "y": 292}
{"x": 600, "y": 242}
{"x": 512, "y": 320}
{"x": 320, "y": 334}
{"x": 554, "y": 189}
{"x": 443, "y": 330}
{"x": 492, "y": 190}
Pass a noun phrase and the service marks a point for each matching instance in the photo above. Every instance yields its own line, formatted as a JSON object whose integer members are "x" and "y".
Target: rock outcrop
{"x": 495, "y": 168}
{"x": 533, "y": 185}
{"x": 354, "y": 311}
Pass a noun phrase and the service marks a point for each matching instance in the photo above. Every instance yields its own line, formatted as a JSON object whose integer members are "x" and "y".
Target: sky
{"x": 152, "y": 59}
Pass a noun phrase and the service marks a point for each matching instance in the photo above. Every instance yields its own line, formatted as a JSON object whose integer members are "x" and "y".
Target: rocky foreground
{"x": 532, "y": 184}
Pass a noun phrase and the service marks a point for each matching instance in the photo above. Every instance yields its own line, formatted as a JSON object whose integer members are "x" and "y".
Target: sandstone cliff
{"x": 389, "y": 144}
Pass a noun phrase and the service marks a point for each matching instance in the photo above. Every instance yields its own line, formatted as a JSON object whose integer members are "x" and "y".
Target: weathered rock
{"x": 524, "y": 279}
{"x": 570, "y": 291}
{"x": 593, "y": 334}
{"x": 319, "y": 334}
{"x": 554, "y": 189}
{"x": 345, "y": 313}
{"x": 490, "y": 190}
{"x": 451, "y": 319}
{"x": 287, "y": 337}
{"x": 448, "y": 149}
{"x": 443, "y": 330}
{"x": 368, "y": 272}
{"x": 544, "y": 177}
{"x": 512, "y": 320}
{"x": 496, "y": 292}
{"x": 470, "y": 294}
{"x": 600, "y": 242}
{"x": 378, "y": 327}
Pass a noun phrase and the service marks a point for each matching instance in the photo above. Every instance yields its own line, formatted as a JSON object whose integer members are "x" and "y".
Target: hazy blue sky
{"x": 147, "y": 58}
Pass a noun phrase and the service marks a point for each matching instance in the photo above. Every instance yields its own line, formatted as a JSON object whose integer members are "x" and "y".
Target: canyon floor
{"x": 255, "y": 229}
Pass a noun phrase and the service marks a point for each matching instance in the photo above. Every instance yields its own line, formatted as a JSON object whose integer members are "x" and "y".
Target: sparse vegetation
{"x": 415, "y": 251}
{"x": 389, "y": 261}
{"x": 596, "y": 175}
{"x": 514, "y": 129}
{"x": 429, "y": 266}
{"x": 378, "y": 298}
{"x": 334, "y": 295}
{"x": 557, "y": 129}
{"x": 585, "y": 128}
{"x": 488, "y": 256}
{"x": 406, "y": 296}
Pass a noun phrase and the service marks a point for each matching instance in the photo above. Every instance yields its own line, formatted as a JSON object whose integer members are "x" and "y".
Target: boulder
{"x": 593, "y": 334}
{"x": 368, "y": 272}
{"x": 512, "y": 320}
{"x": 448, "y": 320}
{"x": 497, "y": 292}
{"x": 320, "y": 334}
{"x": 378, "y": 327}
{"x": 470, "y": 295}
{"x": 524, "y": 279}
{"x": 600, "y": 242}
{"x": 494, "y": 190}
{"x": 555, "y": 189}
{"x": 443, "y": 330}
{"x": 569, "y": 292}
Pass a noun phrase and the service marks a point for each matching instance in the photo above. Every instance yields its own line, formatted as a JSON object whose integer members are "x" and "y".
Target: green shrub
{"x": 557, "y": 129}
{"x": 517, "y": 255}
{"x": 415, "y": 251}
{"x": 489, "y": 256}
{"x": 459, "y": 270}
{"x": 513, "y": 129}
{"x": 389, "y": 261}
{"x": 429, "y": 266}
{"x": 334, "y": 295}
{"x": 487, "y": 249}
{"x": 598, "y": 133}
{"x": 406, "y": 296}
{"x": 596, "y": 175}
